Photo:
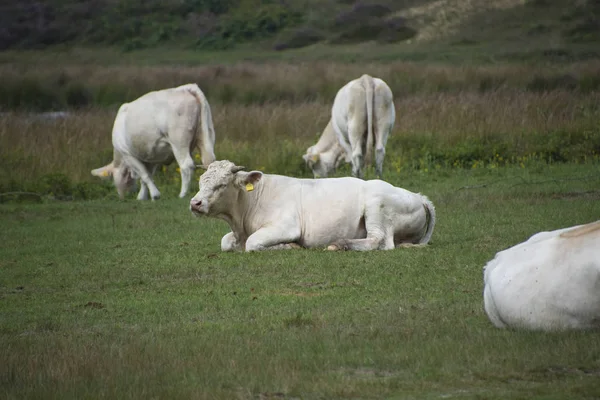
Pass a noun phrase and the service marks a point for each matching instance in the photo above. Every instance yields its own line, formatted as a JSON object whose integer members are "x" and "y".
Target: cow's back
{"x": 551, "y": 281}
{"x": 151, "y": 118}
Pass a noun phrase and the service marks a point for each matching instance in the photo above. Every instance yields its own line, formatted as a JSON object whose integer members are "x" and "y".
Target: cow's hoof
{"x": 339, "y": 245}
{"x": 155, "y": 197}
{"x": 294, "y": 246}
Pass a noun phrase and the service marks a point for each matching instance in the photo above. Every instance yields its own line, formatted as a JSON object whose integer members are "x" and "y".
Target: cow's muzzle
{"x": 196, "y": 206}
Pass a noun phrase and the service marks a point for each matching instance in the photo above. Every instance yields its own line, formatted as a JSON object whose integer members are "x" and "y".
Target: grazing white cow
{"x": 362, "y": 116}
{"x": 279, "y": 212}
{"x": 155, "y": 129}
{"x": 549, "y": 282}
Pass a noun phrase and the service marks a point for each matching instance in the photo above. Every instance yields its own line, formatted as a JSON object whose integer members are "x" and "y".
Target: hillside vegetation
{"x": 223, "y": 24}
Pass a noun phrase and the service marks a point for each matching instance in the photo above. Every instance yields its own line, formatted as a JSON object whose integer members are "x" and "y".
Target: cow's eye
{"x": 218, "y": 187}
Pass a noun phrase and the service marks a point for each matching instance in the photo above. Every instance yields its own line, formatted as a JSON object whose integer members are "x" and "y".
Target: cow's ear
{"x": 253, "y": 177}
{"x": 104, "y": 172}
{"x": 248, "y": 179}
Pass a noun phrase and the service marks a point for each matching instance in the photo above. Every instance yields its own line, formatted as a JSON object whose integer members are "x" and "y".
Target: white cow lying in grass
{"x": 279, "y": 212}
{"x": 551, "y": 281}
{"x": 155, "y": 129}
{"x": 362, "y": 117}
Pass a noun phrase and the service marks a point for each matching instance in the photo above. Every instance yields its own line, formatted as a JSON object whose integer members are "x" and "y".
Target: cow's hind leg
{"x": 380, "y": 235}
{"x": 384, "y": 122}
{"x": 356, "y": 138}
{"x": 357, "y": 163}
{"x": 186, "y": 166}
{"x": 272, "y": 238}
{"x": 366, "y": 244}
{"x": 379, "y": 156}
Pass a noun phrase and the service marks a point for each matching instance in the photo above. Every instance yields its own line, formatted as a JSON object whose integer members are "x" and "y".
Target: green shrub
{"x": 396, "y": 30}
{"x": 251, "y": 20}
{"x": 55, "y": 184}
{"x": 77, "y": 95}
{"x": 360, "y": 14}
{"x": 91, "y": 190}
{"x": 359, "y": 32}
{"x": 299, "y": 38}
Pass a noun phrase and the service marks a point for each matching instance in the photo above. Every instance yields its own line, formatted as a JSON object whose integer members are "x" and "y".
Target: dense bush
{"x": 299, "y": 38}
{"x": 361, "y": 13}
{"x": 135, "y": 24}
{"x": 213, "y": 24}
{"x": 366, "y": 21}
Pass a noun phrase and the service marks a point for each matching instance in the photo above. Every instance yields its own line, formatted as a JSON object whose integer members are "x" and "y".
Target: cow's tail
{"x": 205, "y": 131}
{"x": 430, "y": 211}
{"x": 368, "y": 81}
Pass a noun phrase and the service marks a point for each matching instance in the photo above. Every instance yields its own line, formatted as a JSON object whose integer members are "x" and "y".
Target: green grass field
{"x": 127, "y": 299}
{"x": 498, "y": 114}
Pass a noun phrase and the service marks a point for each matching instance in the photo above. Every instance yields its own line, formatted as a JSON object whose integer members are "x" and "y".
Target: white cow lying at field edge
{"x": 362, "y": 116}
{"x": 155, "y": 129}
{"x": 549, "y": 282}
{"x": 279, "y": 212}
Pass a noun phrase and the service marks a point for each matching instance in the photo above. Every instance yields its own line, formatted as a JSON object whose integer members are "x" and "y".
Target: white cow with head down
{"x": 279, "y": 212}
{"x": 155, "y": 129}
{"x": 362, "y": 117}
{"x": 549, "y": 282}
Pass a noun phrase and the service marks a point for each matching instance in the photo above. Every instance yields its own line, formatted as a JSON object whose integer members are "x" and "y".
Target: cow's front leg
{"x": 140, "y": 168}
{"x": 273, "y": 238}
{"x": 143, "y": 193}
{"x": 230, "y": 243}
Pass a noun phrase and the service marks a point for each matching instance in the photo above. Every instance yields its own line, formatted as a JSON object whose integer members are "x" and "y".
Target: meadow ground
{"x": 101, "y": 298}
{"x": 128, "y": 299}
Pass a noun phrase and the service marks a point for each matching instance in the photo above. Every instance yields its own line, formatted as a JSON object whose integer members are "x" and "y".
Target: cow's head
{"x": 123, "y": 177}
{"x": 323, "y": 164}
{"x": 220, "y": 186}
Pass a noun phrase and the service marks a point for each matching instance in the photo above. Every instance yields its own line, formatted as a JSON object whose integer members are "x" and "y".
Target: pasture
{"x": 109, "y": 299}
{"x": 101, "y": 298}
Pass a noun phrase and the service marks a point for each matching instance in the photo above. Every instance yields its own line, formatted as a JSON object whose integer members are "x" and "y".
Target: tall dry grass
{"x": 443, "y": 129}
{"x": 22, "y": 87}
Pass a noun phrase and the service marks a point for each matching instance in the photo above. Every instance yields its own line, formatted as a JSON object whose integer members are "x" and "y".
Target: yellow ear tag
{"x": 104, "y": 173}
{"x": 249, "y": 187}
